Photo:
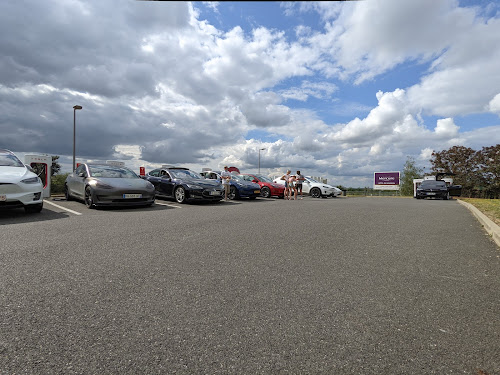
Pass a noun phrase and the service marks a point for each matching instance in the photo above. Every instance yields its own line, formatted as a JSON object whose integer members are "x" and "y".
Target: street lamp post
{"x": 260, "y": 149}
{"x": 74, "y": 131}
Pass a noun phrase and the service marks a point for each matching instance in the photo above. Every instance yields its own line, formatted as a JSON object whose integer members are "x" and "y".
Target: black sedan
{"x": 108, "y": 185}
{"x": 184, "y": 185}
{"x": 436, "y": 189}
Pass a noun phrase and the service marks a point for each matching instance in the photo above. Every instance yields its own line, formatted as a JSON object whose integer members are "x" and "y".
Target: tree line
{"x": 477, "y": 171}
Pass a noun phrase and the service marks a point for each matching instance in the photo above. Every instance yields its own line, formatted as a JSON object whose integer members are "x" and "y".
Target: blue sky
{"x": 335, "y": 89}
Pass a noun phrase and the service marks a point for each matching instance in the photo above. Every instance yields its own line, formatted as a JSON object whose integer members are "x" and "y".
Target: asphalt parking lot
{"x": 315, "y": 286}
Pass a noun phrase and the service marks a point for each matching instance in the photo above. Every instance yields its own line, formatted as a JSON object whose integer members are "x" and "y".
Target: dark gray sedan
{"x": 108, "y": 185}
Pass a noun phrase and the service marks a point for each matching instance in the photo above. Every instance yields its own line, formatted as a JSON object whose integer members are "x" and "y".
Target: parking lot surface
{"x": 315, "y": 286}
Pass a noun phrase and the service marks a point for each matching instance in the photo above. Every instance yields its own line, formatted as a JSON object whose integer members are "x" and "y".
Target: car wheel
{"x": 66, "y": 193}
{"x": 180, "y": 195}
{"x": 265, "y": 192}
{"x": 89, "y": 200}
{"x": 315, "y": 193}
{"x": 233, "y": 193}
{"x": 33, "y": 208}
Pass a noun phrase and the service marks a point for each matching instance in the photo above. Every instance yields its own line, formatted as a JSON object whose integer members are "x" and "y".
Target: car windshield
{"x": 110, "y": 171}
{"x": 263, "y": 178}
{"x": 9, "y": 160}
{"x": 433, "y": 184}
{"x": 312, "y": 180}
{"x": 237, "y": 177}
{"x": 184, "y": 173}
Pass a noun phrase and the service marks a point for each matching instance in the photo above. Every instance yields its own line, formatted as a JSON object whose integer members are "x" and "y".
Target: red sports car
{"x": 268, "y": 188}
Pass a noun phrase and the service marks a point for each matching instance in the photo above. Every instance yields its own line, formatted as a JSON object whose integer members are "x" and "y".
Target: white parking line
{"x": 62, "y": 208}
{"x": 169, "y": 205}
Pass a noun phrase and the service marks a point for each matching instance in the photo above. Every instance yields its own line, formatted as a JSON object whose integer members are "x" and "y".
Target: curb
{"x": 492, "y": 228}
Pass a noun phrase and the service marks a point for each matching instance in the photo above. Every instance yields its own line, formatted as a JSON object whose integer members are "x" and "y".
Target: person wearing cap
{"x": 225, "y": 176}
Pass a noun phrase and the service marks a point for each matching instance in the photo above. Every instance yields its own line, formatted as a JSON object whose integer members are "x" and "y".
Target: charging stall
{"x": 42, "y": 165}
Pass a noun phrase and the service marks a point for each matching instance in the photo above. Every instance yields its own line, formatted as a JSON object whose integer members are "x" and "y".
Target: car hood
{"x": 275, "y": 185}
{"x": 248, "y": 184}
{"x": 135, "y": 183}
{"x": 14, "y": 174}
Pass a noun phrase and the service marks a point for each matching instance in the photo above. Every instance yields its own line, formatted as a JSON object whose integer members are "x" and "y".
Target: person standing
{"x": 298, "y": 185}
{"x": 292, "y": 188}
{"x": 286, "y": 177}
{"x": 225, "y": 177}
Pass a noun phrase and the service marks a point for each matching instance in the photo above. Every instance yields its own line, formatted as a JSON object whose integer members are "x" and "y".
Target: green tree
{"x": 463, "y": 162}
{"x": 410, "y": 172}
{"x": 56, "y": 167}
{"x": 488, "y": 160}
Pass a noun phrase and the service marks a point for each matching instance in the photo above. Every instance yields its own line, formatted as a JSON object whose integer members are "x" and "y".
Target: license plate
{"x": 128, "y": 196}
{"x": 215, "y": 192}
{"x": 256, "y": 191}
{"x": 431, "y": 193}
{"x": 3, "y": 198}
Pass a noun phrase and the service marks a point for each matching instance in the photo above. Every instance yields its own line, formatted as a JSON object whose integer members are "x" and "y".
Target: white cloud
{"x": 494, "y": 104}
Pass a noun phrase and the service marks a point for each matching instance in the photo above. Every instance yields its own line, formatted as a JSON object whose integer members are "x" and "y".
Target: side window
{"x": 154, "y": 173}
{"x": 80, "y": 169}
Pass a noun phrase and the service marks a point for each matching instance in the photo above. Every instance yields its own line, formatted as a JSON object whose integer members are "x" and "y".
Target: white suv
{"x": 315, "y": 188}
{"x": 19, "y": 186}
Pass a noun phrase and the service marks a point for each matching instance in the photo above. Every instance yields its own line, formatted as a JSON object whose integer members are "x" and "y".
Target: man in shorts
{"x": 298, "y": 184}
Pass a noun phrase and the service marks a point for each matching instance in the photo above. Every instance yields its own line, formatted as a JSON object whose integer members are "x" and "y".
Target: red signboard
{"x": 142, "y": 171}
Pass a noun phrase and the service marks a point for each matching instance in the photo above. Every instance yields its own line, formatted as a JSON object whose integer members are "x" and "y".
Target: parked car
{"x": 315, "y": 188}
{"x": 108, "y": 185}
{"x": 184, "y": 185}
{"x": 19, "y": 185}
{"x": 238, "y": 186}
{"x": 268, "y": 188}
{"x": 437, "y": 189}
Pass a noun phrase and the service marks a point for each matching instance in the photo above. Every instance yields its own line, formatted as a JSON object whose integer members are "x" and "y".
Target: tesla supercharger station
{"x": 43, "y": 164}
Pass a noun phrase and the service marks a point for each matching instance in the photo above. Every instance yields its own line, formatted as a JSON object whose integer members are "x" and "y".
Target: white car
{"x": 19, "y": 185}
{"x": 315, "y": 188}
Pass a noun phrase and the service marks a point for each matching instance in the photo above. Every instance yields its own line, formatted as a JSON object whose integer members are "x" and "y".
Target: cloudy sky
{"x": 335, "y": 89}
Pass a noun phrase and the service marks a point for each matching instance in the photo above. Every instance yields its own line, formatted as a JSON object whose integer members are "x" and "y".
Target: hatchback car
{"x": 268, "y": 188}
{"x": 184, "y": 185}
{"x": 19, "y": 185}
{"x": 315, "y": 188}
{"x": 108, "y": 185}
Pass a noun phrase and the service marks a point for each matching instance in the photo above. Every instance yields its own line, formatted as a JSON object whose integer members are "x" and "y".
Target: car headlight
{"x": 31, "y": 180}
{"x": 191, "y": 186}
{"x": 99, "y": 184}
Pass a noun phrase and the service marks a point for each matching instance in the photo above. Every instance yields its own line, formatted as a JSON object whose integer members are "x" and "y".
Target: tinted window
{"x": 111, "y": 171}
{"x": 155, "y": 173}
{"x": 184, "y": 173}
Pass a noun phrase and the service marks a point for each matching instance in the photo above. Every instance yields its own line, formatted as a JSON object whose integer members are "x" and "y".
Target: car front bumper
{"x": 102, "y": 197}
{"x": 20, "y": 195}
{"x": 207, "y": 194}
{"x": 432, "y": 194}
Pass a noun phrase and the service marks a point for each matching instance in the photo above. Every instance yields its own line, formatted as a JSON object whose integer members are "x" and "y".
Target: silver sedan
{"x": 108, "y": 185}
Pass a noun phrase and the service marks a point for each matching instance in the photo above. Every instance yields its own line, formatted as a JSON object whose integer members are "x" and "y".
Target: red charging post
{"x": 142, "y": 171}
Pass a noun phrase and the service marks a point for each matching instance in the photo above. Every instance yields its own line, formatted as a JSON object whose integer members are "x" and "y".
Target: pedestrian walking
{"x": 225, "y": 177}
{"x": 292, "y": 188}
